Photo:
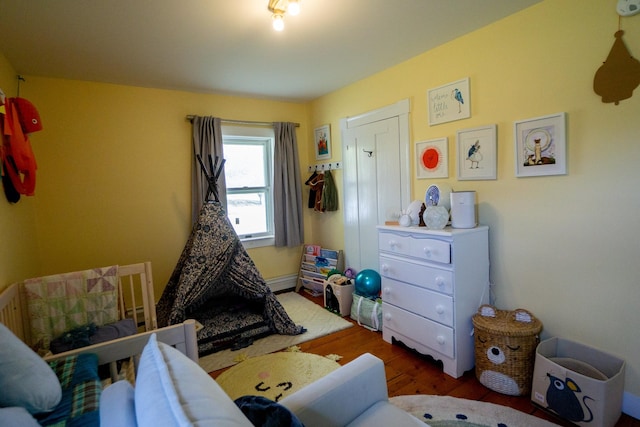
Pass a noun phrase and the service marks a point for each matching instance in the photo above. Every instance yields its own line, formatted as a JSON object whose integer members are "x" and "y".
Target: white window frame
{"x": 230, "y": 133}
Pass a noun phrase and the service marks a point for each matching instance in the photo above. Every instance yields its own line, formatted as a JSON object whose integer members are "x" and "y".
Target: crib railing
{"x": 11, "y": 311}
{"x": 135, "y": 282}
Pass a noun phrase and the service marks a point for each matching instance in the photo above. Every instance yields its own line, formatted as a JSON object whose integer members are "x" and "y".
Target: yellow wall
{"x": 19, "y": 250}
{"x": 564, "y": 247}
{"x": 114, "y": 168}
{"x": 114, "y": 174}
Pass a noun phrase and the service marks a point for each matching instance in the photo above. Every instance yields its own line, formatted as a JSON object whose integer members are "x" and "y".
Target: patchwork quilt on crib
{"x": 61, "y": 302}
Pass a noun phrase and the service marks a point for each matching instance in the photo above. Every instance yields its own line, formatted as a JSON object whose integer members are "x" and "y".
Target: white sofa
{"x": 172, "y": 390}
{"x": 353, "y": 395}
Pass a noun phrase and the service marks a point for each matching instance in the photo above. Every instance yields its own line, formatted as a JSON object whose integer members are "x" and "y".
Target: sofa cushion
{"x": 17, "y": 416}
{"x": 172, "y": 390}
{"x": 26, "y": 380}
{"x": 117, "y": 406}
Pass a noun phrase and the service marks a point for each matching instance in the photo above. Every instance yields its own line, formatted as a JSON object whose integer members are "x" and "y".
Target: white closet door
{"x": 376, "y": 178}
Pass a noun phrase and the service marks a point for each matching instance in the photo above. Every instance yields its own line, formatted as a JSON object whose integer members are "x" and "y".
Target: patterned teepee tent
{"x": 217, "y": 283}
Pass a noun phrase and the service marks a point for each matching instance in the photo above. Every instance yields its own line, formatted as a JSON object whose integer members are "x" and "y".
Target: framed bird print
{"x": 477, "y": 153}
{"x": 432, "y": 158}
{"x": 449, "y": 102}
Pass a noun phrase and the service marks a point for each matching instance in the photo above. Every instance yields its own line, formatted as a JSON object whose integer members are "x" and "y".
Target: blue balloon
{"x": 368, "y": 283}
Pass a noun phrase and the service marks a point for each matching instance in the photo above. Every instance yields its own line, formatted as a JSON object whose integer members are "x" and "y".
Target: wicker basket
{"x": 505, "y": 345}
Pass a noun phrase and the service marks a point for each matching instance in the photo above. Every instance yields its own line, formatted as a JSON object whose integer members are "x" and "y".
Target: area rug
{"x": 275, "y": 375}
{"x": 446, "y": 411}
{"x": 318, "y": 321}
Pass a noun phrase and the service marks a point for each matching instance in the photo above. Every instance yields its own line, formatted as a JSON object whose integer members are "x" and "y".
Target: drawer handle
{"x": 384, "y": 267}
{"x": 387, "y": 291}
{"x": 440, "y": 281}
{"x": 439, "y": 309}
{"x": 427, "y": 251}
{"x": 387, "y": 316}
{"x": 393, "y": 244}
{"x": 440, "y": 339}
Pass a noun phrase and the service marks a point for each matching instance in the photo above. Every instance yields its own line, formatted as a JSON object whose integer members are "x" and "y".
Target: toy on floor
{"x": 368, "y": 283}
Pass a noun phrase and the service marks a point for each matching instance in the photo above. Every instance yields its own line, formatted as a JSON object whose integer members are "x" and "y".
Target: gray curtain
{"x": 287, "y": 187}
{"x": 207, "y": 140}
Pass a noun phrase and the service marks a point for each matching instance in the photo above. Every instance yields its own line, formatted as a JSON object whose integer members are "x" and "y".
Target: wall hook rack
{"x": 321, "y": 167}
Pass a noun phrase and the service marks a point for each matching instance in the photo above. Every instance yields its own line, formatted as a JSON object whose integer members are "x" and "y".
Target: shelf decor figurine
{"x": 436, "y": 217}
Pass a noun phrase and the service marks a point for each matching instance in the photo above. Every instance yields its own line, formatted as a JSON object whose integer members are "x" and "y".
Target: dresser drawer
{"x": 417, "y": 300}
{"x": 420, "y": 275}
{"x": 425, "y": 331}
{"x": 415, "y": 246}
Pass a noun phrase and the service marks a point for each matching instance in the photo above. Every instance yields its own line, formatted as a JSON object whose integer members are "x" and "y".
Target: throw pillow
{"x": 173, "y": 390}
{"x": 25, "y": 378}
{"x": 17, "y": 416}
{"x": 117, "y": 406}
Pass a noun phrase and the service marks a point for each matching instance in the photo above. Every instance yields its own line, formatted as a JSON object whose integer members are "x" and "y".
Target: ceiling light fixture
{"x": 279, "y": 8}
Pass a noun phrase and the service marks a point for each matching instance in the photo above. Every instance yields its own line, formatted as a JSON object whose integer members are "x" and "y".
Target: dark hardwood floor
{"x": 411, "y": 373}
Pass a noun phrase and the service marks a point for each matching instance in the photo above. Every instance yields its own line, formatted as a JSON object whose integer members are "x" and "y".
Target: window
{"x": 248, "y": 173}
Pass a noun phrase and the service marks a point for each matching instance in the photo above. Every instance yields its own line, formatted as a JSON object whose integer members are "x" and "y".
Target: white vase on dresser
{"x": 433, "y": 281}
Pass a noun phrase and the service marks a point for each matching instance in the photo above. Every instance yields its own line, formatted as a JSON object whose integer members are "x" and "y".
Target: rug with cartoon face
{"x": 446, "y": 411}
{"x": 276, "y": 375}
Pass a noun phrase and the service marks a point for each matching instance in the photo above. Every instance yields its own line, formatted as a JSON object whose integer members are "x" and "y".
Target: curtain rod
{"x": 243, "y": 122}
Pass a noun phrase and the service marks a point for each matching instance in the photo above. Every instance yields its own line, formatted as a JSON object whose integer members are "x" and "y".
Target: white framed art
{"x": 477, "y": 156}
{"x": 432, "y": 158}
{"x": 449, "y": 102}
{"x": 541, "y": 146}
{"x": 322, "y": 142}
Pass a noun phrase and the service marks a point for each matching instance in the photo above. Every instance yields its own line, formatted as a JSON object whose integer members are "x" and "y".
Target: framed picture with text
{"x": 449, "y": 102}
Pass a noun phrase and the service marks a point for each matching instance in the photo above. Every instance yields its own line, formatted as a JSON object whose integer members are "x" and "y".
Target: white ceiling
{"x": 229, "y": 46}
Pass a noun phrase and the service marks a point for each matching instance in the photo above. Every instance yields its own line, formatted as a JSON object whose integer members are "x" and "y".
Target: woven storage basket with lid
{"x": 505, "y": 345}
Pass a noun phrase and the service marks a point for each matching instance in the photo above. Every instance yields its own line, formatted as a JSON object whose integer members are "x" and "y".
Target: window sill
{"x": 258, "y": 242}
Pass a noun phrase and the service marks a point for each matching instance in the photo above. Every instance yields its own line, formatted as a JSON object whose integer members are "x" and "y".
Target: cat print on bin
{"x": 562, "y": 399}
{"x": 331, "y": 301}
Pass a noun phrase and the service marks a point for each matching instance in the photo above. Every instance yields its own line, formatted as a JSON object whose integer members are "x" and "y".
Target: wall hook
{"x": 20, "y": 79}
{"x": 369, "y": 153}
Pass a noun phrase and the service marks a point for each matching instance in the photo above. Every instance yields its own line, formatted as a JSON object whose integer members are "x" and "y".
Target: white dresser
{"x": 433, "y": 281}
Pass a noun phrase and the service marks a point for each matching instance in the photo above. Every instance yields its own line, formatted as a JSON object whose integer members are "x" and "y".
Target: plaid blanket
{"x": 81, "y": 390}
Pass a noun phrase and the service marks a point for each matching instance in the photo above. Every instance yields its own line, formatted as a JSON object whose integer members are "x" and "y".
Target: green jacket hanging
{"x": 329, "y": 193}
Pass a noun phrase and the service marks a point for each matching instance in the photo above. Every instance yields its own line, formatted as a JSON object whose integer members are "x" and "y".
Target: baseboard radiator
{"x": 282, "y": 283}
